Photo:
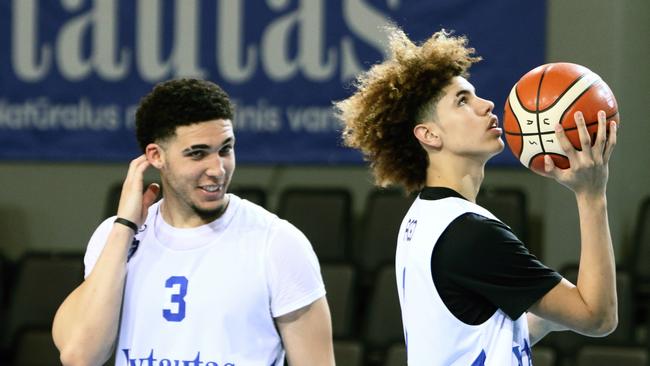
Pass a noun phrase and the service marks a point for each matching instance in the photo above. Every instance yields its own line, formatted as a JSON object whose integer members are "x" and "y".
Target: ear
{"x": 155, "y": 155}
{"x": 428, "y": 135}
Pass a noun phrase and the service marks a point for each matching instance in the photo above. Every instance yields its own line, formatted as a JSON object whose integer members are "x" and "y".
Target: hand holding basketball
{"x": 548, "y": 95}
{"x": 588, "y": 171}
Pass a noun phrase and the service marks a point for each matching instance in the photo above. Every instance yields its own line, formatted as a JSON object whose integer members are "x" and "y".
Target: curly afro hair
{"x": 393, "y": 96}
{"x": 179, "y": 102}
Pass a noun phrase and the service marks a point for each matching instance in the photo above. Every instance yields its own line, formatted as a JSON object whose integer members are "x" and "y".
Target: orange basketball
{"x": 551, "y": 94}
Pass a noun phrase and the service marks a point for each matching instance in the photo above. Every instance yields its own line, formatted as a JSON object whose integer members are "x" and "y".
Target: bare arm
{"x": 538, "y": 327}
{"x": 307, "y": 335}
{"x": 590, "y": 306}
{"x": 85, "y": 325}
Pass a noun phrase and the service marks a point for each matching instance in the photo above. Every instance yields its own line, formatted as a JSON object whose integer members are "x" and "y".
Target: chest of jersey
{"x": 433, "y": 335}
{"x": 210, "y": 302}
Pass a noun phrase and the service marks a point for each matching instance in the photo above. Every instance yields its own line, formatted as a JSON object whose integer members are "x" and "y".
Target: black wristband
{"x": 128, "y": 223}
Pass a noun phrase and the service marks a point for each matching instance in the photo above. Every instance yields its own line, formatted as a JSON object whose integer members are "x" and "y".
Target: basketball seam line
{"x": 537, "y": 110}
{"x": 549, "y": 132}
{"x": 575, "y": 100}
{"x": 539, "y": 91}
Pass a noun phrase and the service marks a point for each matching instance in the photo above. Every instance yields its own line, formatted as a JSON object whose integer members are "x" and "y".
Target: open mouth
{"x": 494, "y": 123}
{"x": 212, "y": 188}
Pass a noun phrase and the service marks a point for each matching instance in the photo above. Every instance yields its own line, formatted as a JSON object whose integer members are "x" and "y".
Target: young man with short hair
{"x": 201, "y": 277}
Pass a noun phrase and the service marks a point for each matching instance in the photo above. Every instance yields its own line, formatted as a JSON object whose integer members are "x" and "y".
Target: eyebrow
{"x": 197, "y": 147}
{"x": 463, "y": 92}
{"x": 227, "y": 141}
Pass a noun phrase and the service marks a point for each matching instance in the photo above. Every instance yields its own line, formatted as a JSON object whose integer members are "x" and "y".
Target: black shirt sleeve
{"x": 479, "y": 265}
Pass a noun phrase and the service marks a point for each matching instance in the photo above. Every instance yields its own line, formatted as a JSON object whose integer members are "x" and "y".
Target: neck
{"x": 464, "y": 175}
{"x": 180, "y": 215}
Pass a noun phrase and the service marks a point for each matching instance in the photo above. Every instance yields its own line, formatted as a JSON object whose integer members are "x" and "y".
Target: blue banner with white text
{"x": 72, "y": 72}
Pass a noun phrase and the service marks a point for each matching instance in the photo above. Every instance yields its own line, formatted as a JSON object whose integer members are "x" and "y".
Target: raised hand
{"x": 134, "y": 203}
{"x": 589, "y": 170}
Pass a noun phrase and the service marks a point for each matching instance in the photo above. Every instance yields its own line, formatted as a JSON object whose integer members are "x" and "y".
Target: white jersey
{"x": 209, "y": 295}
{"x": 434, "y": 336}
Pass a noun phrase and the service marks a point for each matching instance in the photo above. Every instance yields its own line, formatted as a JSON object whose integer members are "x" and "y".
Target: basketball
{"x": 551, "y": 94}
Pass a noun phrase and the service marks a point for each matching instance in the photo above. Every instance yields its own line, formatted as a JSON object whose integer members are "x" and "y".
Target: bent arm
{"x": 307, "y": 335}
{"x": 85, "y": 325}
{"x": 589, "y": 307}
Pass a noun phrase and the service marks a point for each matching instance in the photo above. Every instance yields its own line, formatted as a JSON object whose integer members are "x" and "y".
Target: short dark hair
{"x": 179, "y": 102}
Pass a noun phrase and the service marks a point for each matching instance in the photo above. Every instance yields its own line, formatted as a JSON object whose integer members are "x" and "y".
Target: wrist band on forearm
{"x": 128, "y": 223}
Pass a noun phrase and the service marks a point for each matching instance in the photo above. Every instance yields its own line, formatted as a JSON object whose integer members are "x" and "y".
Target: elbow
{"x": 604, "y": 324}
{"x": 69, "y": 353}
{"x": 80, "y": 349}
{"x": 70, "y": 357}
{"x": 609, "y": 326}
{"x": 76, "y": 357}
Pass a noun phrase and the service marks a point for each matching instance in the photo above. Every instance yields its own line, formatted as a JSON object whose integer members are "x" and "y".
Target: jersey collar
{"x": 436, "y": 193}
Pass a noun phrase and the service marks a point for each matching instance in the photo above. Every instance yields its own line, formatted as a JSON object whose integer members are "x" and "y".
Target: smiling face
{"x": 465, "y": 123}
{"x": 196, "y": 165}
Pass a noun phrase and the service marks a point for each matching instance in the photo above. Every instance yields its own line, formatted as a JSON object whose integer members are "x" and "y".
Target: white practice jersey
{"x": 209, "y": 295}
{"x": 434, "y": 336}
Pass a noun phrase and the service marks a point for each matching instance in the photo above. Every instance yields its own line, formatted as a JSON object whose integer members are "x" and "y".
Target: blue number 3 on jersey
{"x": 177, "y": 298}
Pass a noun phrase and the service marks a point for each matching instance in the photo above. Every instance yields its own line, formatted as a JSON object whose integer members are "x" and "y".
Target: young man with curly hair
{"x": 469, "y": 290}
{"x": 201, "y": 277}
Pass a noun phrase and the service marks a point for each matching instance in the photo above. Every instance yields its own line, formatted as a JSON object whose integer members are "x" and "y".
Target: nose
{"x": 486, "y": 106}
{"x": 215, "y": 167}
